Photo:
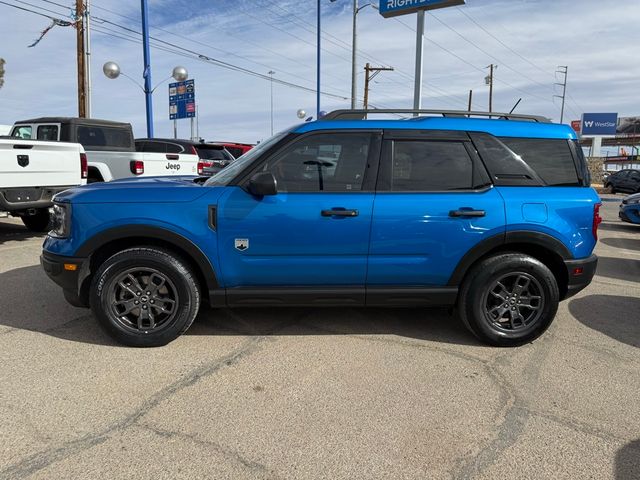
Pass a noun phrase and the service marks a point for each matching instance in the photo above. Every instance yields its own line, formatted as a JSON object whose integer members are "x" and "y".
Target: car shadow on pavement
{"x": 624, "y": 243}
{"x": 11, "y": 232}
{"x": 626, "y": 269}
{"x": 628, "y": 461}
{"x": 619, "y": 227}
{"x": 31, "y": 301}
{"x": 616, "y": 316}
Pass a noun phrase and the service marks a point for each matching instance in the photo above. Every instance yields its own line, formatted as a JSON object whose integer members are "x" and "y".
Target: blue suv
{"x": 493, "y": 216}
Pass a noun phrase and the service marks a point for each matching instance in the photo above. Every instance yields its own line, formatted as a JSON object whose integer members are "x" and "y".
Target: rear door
{"x": 434, "y": 202}
{"x": 315, "y": 231}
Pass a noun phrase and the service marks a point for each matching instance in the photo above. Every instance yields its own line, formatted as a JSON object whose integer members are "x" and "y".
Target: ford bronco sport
{"x": 489, "y": 213}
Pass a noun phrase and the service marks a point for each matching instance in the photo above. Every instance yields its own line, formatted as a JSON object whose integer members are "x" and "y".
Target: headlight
{"x": 61, "y": 220}
{"x": 631, "y": 201}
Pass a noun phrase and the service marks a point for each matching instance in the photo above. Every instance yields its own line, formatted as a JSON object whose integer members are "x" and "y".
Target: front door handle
{"x": 463, "y": 212}
{"x": 339, "y": 212}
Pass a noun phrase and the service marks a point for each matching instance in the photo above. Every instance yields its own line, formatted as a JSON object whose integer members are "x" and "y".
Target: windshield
{"x": 213, "y": 153}
{"x": 226, "y": 175}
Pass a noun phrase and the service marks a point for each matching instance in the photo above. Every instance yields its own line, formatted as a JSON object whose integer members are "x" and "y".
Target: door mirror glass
{"x": 263, "y": 183}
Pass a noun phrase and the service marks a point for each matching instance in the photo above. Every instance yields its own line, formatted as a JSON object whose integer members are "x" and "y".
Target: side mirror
{"x": 263, "y": 183}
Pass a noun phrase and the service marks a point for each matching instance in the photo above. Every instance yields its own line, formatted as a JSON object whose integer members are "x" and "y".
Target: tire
{"x": 40, "y": 222}
{"x": 497, "y": 279}
{"x": 142, "y": 277}
{"x": 610, "y": 189}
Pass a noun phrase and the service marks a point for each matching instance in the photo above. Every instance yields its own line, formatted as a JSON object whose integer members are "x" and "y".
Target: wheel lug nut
{"x": 136, "y": 302}
{"x": 148, "y": 293}
{"x": 138, "y": 293}
{"x": 152, "y": 301}
{"x": 144, "y": 307}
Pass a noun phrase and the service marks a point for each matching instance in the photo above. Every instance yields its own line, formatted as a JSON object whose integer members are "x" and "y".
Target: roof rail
{"x": 363, "y": 114}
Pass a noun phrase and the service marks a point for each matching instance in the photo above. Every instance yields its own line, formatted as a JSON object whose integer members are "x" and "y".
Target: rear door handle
{"x": 339, "y": 212}
{"x": 467, "y": 213}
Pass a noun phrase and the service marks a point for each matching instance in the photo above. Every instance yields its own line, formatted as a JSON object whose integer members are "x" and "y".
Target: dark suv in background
{"x": 213, "y": 156}
{"x": 623, "y": 181}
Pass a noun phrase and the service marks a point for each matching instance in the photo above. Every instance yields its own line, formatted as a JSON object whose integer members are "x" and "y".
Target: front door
{"x": 315, "y": 231}
{"x": 434, "y": 203}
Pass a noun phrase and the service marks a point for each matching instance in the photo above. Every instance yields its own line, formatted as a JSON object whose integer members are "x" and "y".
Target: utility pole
{"x": 80, "y": 54}
{"x": 417, "y": 88}
{"x": 87, "y": 52}
{"x": 353, "y": 55}
{"x": 368, "y": 69}
{"x": 489, "y": 81}
{"x": 564, "y": 69}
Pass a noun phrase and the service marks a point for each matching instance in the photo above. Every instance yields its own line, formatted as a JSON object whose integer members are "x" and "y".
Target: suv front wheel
{"x": 145, "y": 297}
{"x": 508, "y": 299}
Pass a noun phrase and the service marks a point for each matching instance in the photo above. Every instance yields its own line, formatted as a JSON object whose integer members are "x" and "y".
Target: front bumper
{"x": 630, "y": 213}
{"x": 580, "y": 273}
{"x": 69, "y": 273}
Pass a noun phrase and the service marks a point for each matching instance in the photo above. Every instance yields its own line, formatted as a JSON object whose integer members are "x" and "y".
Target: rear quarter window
{"x": 551, "y": 159}
{"x": 104, "y": 138}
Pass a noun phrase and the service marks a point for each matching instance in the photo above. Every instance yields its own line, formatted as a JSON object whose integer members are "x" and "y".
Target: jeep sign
{"x": 599, "y": 123}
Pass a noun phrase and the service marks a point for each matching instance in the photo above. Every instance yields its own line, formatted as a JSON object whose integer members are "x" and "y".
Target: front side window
{"x": 23, "y": 131}
{"x": 48, "y": 132}
{"x": 333, "y": 162}
{"x": 431, "y": 166}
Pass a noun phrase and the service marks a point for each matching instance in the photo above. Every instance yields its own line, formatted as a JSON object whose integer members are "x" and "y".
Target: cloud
{"x": 589, "y": 36}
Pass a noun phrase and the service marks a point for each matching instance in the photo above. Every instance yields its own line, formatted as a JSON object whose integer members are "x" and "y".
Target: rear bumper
{"x": 18, "y": 199}
{"x": 580, "y": 273}
{"x": 60, "y": 270}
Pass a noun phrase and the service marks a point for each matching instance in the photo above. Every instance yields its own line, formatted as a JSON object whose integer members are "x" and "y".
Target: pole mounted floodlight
{"x": 111, "y": 70}
{"x": 180, "y": 74}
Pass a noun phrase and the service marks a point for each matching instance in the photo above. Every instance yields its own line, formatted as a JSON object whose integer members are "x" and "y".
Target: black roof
{"x": 180, "y": 141}
{"x": 75, "y": 121}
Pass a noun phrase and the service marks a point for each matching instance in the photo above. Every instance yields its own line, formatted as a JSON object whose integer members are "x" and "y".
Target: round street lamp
{"x": 301, "y": 114}
{"x": 111, "y": 70}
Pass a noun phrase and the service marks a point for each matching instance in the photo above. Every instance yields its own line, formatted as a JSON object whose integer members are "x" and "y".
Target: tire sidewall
{"x": 485, "y": 276}
{"x": 173, "y": 268}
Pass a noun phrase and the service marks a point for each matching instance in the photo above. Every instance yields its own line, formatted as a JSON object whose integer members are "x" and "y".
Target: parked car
{"x": 494, "y": 217}
{"x": 213, "y": 157}
{"x": 236, "y": 149}
{"x": 110, "y": 148}
{"x": 623, "y": 181}
{"x": 32, "y": 172}
{"x": 630, "y": 209}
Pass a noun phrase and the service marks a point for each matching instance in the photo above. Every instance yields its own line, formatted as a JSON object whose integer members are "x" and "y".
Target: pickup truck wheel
{"x": 509, "y": 299}
{"x": 40, "y": 222}
{"x": 145, "y": 297}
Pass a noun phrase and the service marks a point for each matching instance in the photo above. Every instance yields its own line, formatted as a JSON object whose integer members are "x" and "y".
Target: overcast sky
{"x": 528, "y": 39}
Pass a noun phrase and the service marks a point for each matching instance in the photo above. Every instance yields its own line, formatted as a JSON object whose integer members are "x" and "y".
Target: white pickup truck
{"x": 110, "y": 148}
{"x": 32, "y": 172}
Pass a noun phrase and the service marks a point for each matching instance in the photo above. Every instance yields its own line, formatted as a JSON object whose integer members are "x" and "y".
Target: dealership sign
{"x": 599, "y": 123}
{"x": 393, "y": 8}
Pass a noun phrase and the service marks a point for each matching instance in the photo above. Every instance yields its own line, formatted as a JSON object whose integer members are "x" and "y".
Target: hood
{"x": 632, "y": 198}
{"x": 136, "y": 190}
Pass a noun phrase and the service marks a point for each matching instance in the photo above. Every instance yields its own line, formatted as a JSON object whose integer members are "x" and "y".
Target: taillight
{"x": 137, "y": 167}
{"x": 84, "y": 166}
{"x": 597, "y": 220}
{"x": 201, "y": 166}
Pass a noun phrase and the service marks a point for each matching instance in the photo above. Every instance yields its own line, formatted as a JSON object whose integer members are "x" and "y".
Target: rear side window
{"x": 90, "y": 136}
{"x": 174, "y": 148}
{"x": 235, "y": 151}
{"x": 207, "y": 153}
{"x": 48, "y": 132}
{"x": 550, "y": 158}
{"x": 431, "y": 166}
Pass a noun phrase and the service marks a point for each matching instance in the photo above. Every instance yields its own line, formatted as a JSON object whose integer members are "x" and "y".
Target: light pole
{"x": 319, "y": 46}
{"x": 354, "y": 47}
{"x": 147, "y": 67}
{"x": 271, "y": 74}
{"x": 112, "y": 71}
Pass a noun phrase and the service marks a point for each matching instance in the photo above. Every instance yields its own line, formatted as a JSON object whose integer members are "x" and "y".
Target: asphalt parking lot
{"x": 313, "y": 393}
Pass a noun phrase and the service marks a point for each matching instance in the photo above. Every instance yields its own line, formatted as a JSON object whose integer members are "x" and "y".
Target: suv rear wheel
{"x": 145, "y": 297}
{"x": 508, "y": 299}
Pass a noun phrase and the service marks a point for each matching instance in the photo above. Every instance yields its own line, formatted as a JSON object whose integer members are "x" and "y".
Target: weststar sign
{"x": 392, "y": 8}
{"x": 599, "y": 123}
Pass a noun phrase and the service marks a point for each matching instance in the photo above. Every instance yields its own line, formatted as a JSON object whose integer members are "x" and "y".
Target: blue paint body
{"x": 397, "y": 239}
